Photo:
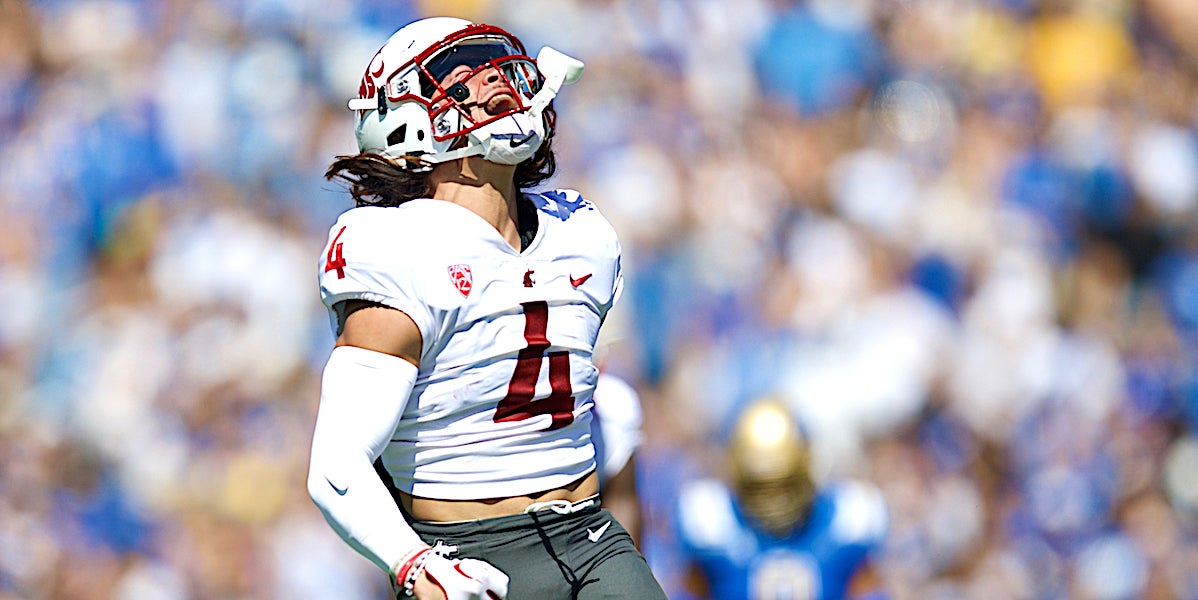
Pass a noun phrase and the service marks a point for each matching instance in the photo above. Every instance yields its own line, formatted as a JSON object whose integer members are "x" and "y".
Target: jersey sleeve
{"x": 588, "y": 223}
{"x": 618, "y": 284}
{"x": 369, "y": 256}
{"x": 613, "y": 253}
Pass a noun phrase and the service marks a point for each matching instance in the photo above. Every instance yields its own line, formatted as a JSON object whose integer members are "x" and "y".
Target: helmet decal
{"x": 369, "y": 87}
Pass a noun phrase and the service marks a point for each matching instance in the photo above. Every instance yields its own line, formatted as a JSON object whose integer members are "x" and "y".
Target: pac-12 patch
{"x": 462, "y": 279}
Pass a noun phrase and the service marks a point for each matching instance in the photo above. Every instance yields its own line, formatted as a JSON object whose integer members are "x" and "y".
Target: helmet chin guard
{"x": 413, "y": 103}
{"x": 510, "y": 140}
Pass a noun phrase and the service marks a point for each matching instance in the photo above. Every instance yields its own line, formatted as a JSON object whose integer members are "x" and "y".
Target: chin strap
{"x": 441, "y": 157}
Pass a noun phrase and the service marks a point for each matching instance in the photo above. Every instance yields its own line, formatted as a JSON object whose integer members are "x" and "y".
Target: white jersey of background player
{"x": 616, "y": 429}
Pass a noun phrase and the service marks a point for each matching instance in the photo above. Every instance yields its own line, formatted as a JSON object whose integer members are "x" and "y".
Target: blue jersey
{"x": 816, "y": 561}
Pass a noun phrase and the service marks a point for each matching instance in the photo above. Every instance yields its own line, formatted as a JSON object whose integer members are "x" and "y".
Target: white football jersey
{"x": 616, "y": 424}
{"x": 502, "y": 402}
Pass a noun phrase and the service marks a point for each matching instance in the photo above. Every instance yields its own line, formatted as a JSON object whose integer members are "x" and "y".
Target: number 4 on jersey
{"x": 335, "y": 259}
{"x": 519, "y": 404}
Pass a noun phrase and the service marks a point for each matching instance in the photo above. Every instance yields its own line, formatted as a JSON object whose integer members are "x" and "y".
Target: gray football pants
{"x": 586, "y": 555}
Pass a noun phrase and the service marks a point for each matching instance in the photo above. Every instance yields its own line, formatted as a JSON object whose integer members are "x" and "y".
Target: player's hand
{"x": 460, "y": 579}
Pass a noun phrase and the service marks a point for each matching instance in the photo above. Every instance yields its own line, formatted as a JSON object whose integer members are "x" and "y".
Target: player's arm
{"x": 366, "y": 384}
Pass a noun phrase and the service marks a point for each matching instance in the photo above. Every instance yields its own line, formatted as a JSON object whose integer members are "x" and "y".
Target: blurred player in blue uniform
{"x": 768, "y": 532}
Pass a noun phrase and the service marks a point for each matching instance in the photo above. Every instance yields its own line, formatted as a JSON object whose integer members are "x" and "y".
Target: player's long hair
{"x": 376, "y": 180}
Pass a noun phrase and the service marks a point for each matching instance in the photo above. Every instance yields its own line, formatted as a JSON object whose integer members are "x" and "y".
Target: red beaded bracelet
{"x": 410, "y": 571}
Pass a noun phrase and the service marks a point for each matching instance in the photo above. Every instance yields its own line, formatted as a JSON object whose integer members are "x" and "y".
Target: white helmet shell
{"x": 409, "y": 109}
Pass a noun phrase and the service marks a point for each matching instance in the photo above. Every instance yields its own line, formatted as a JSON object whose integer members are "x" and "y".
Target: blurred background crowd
{"x": 957, "y": 236}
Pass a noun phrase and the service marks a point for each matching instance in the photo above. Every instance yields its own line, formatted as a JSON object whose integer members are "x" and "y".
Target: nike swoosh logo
{"x": 513, "y": 142}
{"x": 598, "y": 533}
{"x": 340, "y": 491}
{"x": 577, "y": 282}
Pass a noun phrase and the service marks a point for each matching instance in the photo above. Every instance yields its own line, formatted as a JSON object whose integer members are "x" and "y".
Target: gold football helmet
{"x": 770, "y": 463}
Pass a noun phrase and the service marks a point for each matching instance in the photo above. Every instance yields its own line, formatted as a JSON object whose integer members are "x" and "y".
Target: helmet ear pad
{"x": 404, "y": 127}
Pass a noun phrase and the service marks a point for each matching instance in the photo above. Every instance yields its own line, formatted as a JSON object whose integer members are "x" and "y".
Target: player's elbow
{"x": 330, "y": 463}
{"x": 323, "y": 481}
{"x": 331, "y": 470}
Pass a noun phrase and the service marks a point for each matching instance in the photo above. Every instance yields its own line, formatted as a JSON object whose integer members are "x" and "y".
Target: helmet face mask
{"x": 444, "y": 88}
{"x": 779, "y": 503}
{"x": 452, "y": 106}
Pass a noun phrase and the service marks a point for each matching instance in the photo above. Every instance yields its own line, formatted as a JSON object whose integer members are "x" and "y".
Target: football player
{"x": 767, "y": 530}
{"x": 452, "y": 442}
